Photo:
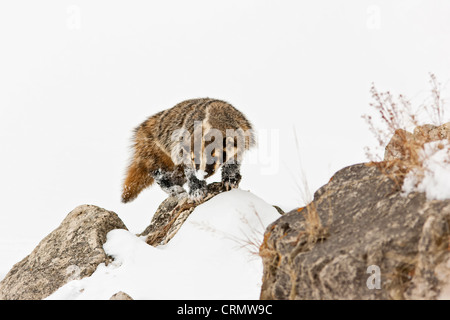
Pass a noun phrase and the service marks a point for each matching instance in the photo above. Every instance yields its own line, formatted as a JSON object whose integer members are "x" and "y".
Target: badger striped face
{"x": 208, "y": 148}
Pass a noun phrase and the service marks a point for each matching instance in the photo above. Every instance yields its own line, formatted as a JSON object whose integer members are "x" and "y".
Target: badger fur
{"x": 187, "y": 144}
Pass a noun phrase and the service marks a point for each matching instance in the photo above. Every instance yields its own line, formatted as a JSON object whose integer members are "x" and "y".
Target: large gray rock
{"x": 72, "y": 251}
{"x": 366, "y": 226}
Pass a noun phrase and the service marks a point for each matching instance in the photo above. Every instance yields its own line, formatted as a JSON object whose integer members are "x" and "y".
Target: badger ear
{"x": 137, "y": 179}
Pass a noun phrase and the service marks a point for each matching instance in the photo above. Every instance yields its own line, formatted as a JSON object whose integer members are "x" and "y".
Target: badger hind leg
{"x": 170, "y": 181}
{"x": 231, "y": 175}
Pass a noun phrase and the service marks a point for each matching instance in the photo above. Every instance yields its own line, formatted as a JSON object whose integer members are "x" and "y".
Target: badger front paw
{"x": 231, "y": 182}
{"x": 197, "y": 191}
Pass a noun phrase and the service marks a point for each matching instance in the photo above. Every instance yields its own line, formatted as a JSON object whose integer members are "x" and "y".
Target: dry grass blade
{"x": 314, "y": 230}
{"x": 250, "y": 239}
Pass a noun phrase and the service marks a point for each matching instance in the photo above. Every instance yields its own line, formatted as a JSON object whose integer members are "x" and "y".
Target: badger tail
{"x": 137, "y": 179}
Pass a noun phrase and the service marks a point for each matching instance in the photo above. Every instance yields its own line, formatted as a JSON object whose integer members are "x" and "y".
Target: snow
{"x": 209, "y": 258}
{"x": 433, "y": 178}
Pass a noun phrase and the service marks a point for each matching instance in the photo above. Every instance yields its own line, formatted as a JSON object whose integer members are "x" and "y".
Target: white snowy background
{"x": 77, "y": 76}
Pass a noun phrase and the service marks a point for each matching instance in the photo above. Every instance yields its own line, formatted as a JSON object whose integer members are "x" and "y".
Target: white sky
{"x": 76, "y": 77}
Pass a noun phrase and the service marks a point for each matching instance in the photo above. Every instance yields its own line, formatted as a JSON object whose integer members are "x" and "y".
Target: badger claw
{"x": 198, "y": 192}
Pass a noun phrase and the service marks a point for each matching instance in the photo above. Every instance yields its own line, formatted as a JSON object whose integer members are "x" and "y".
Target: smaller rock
{"x": 397, "y": 147}
{"x": 121, "y": 296}
{"x": 72, "y": 251}
{"x": 402, "y": 144}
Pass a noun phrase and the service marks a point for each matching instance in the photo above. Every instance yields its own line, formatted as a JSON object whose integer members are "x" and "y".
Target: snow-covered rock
{"x": 379, "y": 245}
{"x": 213, "y": 256}
{"x": 384, "y": 240}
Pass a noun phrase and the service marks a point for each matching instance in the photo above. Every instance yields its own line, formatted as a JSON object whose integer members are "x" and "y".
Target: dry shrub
{"x": 394, "y": 115}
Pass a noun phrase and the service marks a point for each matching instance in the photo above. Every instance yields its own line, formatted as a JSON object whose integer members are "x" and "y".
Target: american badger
{"x": 188, "y": 143}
